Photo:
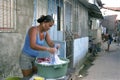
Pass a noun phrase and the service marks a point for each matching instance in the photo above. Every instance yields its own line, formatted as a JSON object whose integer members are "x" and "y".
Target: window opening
{"x": 7, "y": 15}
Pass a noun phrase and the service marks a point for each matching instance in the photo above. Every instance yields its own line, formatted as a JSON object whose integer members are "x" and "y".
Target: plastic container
{"x": 38, "y": 78}
{"x": 13, "y": 78}
{"x": 52, "y": 71}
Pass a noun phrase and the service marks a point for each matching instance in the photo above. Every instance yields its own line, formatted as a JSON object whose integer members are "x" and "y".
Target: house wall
{"x": 76, "y": 27}
{"x": 11, "y": 43}
{"x": 96, "y": 31}
{"x": 76, "y": 18}
{"x": 50, "y": 7}
{"x": 83, "y": 22}
{"x": 40, "y": 8}
{"x": 56, "y": 34}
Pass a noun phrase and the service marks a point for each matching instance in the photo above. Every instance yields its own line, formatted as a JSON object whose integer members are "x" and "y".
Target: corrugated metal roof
{"x": 93, "y": 10}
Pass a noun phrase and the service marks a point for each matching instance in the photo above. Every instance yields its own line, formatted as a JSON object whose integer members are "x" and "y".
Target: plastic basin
{"x": 52, "y": 71}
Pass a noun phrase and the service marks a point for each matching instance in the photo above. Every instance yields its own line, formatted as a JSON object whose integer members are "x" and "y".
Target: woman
{"x": 34, "y": 43}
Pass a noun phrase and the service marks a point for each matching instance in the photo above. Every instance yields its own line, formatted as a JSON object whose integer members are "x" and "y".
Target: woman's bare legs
{"x": 29, "y": 73}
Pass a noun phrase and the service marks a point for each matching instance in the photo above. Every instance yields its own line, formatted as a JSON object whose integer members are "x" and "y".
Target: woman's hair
{"x": 46, "y": 18}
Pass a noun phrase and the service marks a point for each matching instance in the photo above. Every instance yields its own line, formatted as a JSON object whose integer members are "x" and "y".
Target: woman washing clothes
{"x": 34, "y": 43}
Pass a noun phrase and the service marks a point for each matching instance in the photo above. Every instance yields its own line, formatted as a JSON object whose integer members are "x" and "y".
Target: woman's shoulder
{"x": 33, "y": 28}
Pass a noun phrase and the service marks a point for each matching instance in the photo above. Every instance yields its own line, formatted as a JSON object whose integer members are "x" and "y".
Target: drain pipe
{"x": 35, "y": 13}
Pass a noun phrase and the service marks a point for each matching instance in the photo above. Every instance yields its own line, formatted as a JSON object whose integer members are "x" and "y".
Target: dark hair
{"x": 46, "y": 18}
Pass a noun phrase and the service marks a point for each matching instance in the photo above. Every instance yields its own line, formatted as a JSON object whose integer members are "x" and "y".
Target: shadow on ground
{"x": 87, "y": 64}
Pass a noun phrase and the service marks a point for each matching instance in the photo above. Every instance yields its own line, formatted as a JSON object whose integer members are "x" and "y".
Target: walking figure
{"x": 110, "y": 39}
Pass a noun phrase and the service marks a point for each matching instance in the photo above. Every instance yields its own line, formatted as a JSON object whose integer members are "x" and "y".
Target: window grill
{"x": 7, "y": 15}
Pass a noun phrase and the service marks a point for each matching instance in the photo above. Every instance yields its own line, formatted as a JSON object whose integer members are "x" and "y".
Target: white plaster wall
{"x": 80, "y": 50}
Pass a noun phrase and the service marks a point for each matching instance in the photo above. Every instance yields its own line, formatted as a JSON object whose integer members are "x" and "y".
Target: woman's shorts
{"x": 26, "y": 61}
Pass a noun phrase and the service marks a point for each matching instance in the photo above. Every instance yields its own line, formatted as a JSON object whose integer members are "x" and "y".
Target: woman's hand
{"x": 57, "y": 46}
{"x": 52, "y": 50}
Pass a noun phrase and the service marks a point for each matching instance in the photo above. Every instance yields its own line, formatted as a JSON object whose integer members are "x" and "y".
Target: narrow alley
{"x": 106, "y": 65}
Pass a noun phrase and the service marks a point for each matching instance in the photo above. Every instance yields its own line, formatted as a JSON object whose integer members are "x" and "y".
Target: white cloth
{"x": 54, "y": 60}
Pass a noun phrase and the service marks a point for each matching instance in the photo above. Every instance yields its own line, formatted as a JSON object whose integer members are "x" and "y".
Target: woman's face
{"x": 47, "y": 25}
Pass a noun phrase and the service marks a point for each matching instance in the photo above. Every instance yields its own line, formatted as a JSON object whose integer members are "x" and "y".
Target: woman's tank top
{"x": 34, "y": 53}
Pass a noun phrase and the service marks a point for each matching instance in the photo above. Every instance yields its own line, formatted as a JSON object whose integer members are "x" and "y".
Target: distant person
{"x": 109, "y": 41}
{"x": 34, "y": 43}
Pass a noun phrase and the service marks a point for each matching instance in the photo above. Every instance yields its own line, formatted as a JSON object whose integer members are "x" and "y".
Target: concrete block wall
{"x": 11, "y": 43}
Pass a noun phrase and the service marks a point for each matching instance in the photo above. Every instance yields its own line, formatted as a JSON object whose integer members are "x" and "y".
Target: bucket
{"x": 52, "y": 71}
{"x": 13, "y": 78}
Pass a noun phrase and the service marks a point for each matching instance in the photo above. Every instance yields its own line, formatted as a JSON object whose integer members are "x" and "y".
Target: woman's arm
{"x": 49, "y": 41}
